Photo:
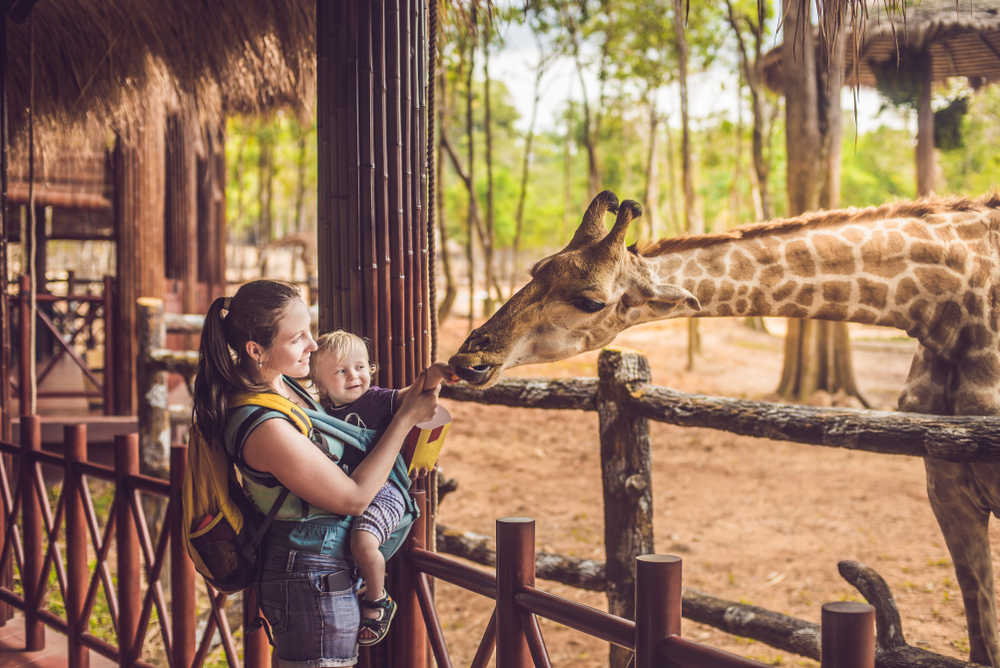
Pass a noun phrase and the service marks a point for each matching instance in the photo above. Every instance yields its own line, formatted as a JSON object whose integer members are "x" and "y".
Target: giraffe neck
{"x": 923, "y": 275}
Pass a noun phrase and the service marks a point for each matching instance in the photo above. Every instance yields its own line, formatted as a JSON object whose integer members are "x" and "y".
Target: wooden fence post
{"x": 127, "y": 542}
{"x": 628, "y": 487}
{"x": 413, "y": 643}
{"x": 24, "y": 355}
{"x": 31, "y": 518}
{"x": 75, "y": 450}
{"x": 657, "y": 605}
{"x": 515, "y": 567}
{"x": 848, "y": 635}
{"x": 151, "y": 387}
{"x": 110, "y": 407}
{"x": 183, "y": 616}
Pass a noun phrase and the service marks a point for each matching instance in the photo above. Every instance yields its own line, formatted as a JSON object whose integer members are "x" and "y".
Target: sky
{"x": 710, "y": 93}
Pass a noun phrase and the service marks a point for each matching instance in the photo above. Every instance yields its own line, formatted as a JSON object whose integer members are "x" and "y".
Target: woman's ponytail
{"x": 224, "y": 367}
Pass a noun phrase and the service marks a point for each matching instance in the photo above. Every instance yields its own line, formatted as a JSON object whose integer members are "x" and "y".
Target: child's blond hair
{"x": 337, "y": 345}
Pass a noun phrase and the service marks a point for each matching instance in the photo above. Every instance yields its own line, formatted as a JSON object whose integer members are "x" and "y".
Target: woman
{"x": 258, "y": 341}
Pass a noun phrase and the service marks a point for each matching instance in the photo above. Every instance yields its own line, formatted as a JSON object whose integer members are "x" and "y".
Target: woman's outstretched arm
{"x": 278, "y": 448}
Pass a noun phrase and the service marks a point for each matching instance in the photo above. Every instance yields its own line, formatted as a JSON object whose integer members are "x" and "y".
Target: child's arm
{"x": 437, "y": 372}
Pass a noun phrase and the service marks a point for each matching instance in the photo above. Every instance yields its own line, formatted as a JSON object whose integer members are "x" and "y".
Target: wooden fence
{"x": 70, "y": 543}
{"x": 625, "y": 400}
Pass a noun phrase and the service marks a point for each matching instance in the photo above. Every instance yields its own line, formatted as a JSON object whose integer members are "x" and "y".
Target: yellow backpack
{"x": 222, "y": 526}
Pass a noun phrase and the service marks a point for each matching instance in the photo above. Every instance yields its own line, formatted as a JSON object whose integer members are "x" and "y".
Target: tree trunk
{"x": 450, "y": 291}
{"x": 470, "y": 181}
{"x": 817, "y": 353}
{"x": 693, "y": 224}
{"x": 488, "y": 239}
{"x": 653, "y": 172}
{"x": 298, "y": 212}
{"x": 265, "y": 196}
{"x": 925, "y": 129}
{"x": 525, "y": 167}
{"x": 568, "y": 174}
{"x": 589, "y": 138}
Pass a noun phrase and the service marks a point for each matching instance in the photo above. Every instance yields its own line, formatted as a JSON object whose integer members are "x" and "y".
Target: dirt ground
{"x": 757, "y": 521}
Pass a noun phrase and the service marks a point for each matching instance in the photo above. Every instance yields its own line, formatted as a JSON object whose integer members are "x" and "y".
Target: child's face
{"x": 344, "y": 379}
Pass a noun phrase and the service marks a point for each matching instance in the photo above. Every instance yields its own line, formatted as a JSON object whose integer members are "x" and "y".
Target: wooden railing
{"x": 847, "y": 636}
{"x": 70, "y": 542}
{"x": 83, "y": 312}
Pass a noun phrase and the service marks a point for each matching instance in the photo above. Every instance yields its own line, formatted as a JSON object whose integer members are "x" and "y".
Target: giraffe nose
{"x": 476, "y": 342}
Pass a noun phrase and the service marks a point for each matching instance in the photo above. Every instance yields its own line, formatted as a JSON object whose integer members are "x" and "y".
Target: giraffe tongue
{"x": 473, "y": 374}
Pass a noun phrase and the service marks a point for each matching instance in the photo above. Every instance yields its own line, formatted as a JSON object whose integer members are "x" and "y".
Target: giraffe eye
{"x": 589, "y": 305}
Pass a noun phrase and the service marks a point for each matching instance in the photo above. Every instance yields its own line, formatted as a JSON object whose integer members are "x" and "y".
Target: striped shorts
{"x": 382, "y": 514}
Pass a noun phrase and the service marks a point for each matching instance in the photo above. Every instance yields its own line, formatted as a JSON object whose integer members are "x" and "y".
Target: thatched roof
{"x": 963, "y": 38}
{"x": 101, "y": 60}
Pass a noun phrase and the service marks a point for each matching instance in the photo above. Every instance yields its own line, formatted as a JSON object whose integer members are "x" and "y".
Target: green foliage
{"x": 276, "y": 139}
{"x": 880, "y": 168}
{"x": 972, "y": 167}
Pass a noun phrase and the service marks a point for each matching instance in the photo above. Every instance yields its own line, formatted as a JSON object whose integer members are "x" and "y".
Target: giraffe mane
{"x": 919, "y": 208}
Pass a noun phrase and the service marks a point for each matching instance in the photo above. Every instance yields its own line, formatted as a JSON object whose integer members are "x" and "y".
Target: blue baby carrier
{"x": 299, "y": 525}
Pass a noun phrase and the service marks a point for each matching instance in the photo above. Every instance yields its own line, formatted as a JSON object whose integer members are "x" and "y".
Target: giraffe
{"x": 929, "y": 267}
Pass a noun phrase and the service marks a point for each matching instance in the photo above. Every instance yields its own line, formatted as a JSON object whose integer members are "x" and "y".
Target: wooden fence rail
{"x": 847, "y": 636}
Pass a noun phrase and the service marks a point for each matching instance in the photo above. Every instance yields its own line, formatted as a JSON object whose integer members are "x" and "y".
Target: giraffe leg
{"x": 963, "y": 514}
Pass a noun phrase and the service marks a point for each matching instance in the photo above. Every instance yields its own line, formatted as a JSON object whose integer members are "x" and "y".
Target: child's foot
{"x": 375, "y": 619}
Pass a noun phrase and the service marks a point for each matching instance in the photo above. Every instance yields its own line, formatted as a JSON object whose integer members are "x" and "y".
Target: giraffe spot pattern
{"x": 758, "y": 301}
{"x": 805, "y": 296}
{"x": 743, "y": 267}
{"x": 725, "y": 310}
{"x": 692, "y": 268}
{"x": 938, "y": 281}
{"x": 982, "y": 370}
{"x": 726, "y": 291}
{"x": 799, "y": 259}
{"x": 906, "y": 290}
{"x": 784, "y": 291}
{"x": 973, "y": 304}
{"x": 836, "y": 257}
{"x": 956, "y": 257}
{"x": 926, "y": 253}
{"x": 872, "y": 293}
{"x": 771, "y": 276}
{"x": 762, "y": 254}
{"x": 792, "y": 311}
{"x": 864, "y": 316}
{"x": 832, "y": 312}
{"x": 742, "y": 290}
{"x": 838, "y": 292}
{"x": 916, "y": 230}
{"x": 894, "y": 319}
{"x": 854, "y": 235}
{"x": 706, "y": 290}
{"x": 741, "y": 305}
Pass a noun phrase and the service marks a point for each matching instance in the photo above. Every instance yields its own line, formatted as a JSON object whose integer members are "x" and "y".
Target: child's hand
{"x": 437, "y": 372}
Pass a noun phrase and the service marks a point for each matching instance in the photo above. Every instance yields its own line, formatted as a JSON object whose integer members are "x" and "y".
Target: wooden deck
{"x": 13, "y": 654}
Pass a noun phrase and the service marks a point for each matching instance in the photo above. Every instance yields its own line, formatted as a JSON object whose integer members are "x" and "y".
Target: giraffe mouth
{"x": 475, "y": 375}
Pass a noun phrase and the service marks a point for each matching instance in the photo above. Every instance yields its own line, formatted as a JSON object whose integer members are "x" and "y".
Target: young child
{"x": 341, "y": 371}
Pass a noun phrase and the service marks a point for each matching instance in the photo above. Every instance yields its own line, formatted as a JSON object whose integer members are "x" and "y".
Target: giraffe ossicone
{"x": 929, "y": 267}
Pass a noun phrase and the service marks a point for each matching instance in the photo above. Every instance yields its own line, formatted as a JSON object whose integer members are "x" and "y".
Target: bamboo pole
{"x": 127, "y": 541}
{"x": 183, "y": 614}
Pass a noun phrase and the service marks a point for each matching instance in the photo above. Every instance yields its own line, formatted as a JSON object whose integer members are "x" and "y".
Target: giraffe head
{"x": 577, "y": 300}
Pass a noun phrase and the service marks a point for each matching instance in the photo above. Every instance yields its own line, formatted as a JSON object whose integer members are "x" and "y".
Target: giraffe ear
{"x": 667, "y": 297}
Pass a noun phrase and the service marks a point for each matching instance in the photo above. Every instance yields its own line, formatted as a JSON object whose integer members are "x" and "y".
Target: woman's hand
{"x": 419, "y": 406}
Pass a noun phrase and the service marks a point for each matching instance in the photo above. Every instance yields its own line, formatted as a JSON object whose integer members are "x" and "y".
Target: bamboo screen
{"x": 372, "y": 139}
